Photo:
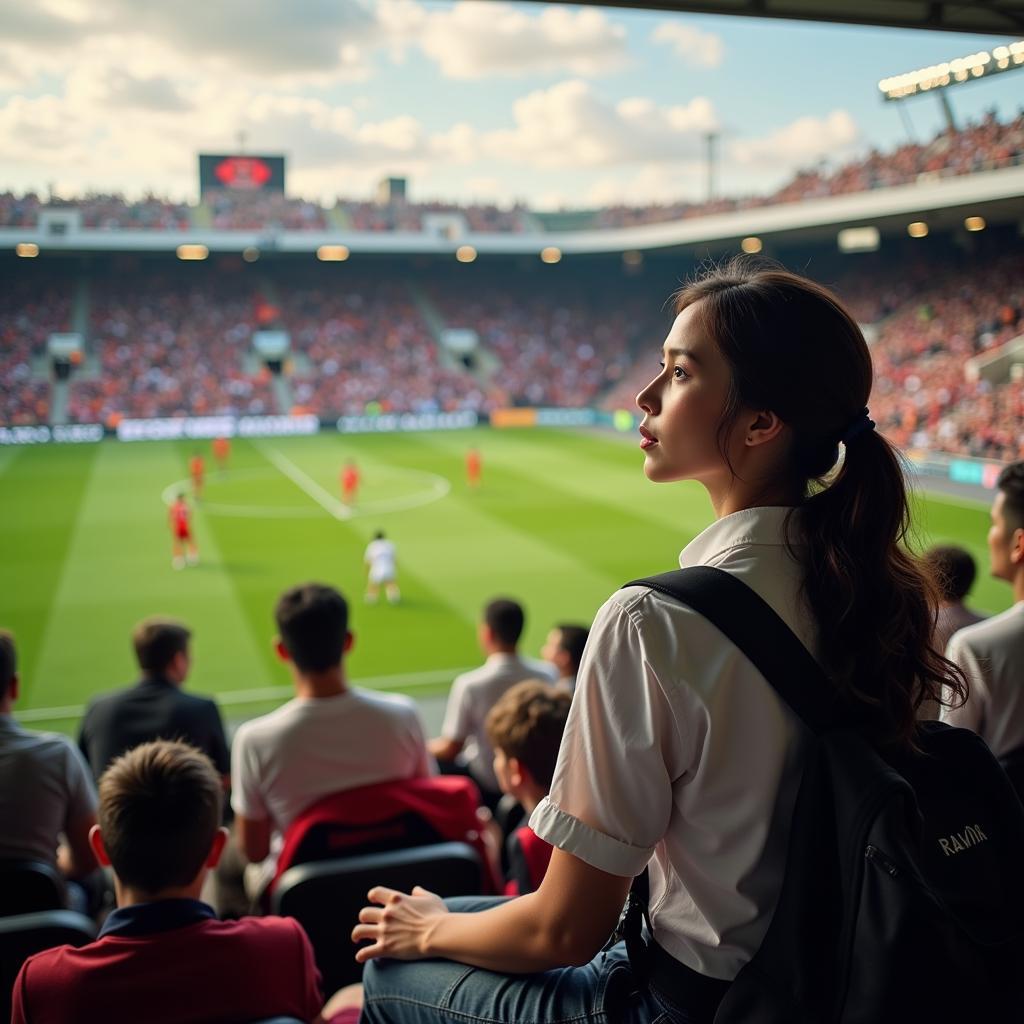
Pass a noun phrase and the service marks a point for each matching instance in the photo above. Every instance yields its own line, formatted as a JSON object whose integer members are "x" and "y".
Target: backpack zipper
{"x": 875, "y": 855}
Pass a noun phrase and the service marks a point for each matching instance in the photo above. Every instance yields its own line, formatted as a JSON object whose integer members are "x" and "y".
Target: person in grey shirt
{"x": 473, "y": 694}
{"x": 991, "y": 653}
{"x": 45, "y": 788}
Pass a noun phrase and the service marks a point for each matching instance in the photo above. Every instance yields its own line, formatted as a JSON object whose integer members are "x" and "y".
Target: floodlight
{"x": 751, "y": 245}
{"x": 953, "y": 72}
{"x": 975, "y": 223}
{"x": 465, "y": 254}
{"x": 917, "y": 229}
{"x": 551, "y": 254}
{"x": 863, "y": 239}
{"x": 332, "y": 253}
{"x": 28, "y": 250}
{"x": 250, "y": 254}
{"x": 192, "y": 251}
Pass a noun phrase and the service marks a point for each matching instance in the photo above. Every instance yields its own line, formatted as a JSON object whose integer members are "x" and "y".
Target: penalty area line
{"x": 324, "y": 499}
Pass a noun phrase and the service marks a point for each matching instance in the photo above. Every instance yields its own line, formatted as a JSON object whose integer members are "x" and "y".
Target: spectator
{"x": 678, "y": 756}
{"x": 954, "y": 570}
{"x": 991, "y": 653}
{"x": 473, "y": 694}
{"x": 525, "y": 729}
{"x": 163, "y": 955}
{"x": 564, "y": 649}
{"x": 45, "y": 788}
{"x": 330, "y": 737}
{"x": 156, "y": 707}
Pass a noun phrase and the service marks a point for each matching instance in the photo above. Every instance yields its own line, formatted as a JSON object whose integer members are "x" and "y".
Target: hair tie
{"x": 861, "y": 424}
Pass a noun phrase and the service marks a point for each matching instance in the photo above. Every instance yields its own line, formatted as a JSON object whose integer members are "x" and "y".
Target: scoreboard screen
{"x": 241, "y": 173}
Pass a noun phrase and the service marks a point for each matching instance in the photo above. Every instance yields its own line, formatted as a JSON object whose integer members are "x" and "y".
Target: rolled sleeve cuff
{"x": 598, "y": 850}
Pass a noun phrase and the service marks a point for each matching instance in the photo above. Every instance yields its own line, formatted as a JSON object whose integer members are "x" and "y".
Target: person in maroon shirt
{"x": 162, "y": 955}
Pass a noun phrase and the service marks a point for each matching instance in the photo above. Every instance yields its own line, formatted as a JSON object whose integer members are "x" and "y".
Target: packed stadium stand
{"x": 166, "y": 344}
{"x": 176, "y": 340}
{"x": 986, "y": 145}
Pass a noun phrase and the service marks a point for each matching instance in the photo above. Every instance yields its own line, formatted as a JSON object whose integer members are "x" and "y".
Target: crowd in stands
{"x": 30, "y": 311}
{"x": 557, "y": 346}
{"x": 158, "y": 758}
{"x": 170, "y": 346}
{"x": 254, "y": 211}
{"x": 987, "y": 144}
{"x": 367, "y": 342}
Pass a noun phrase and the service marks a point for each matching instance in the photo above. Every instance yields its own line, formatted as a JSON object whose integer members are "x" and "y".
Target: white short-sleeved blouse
{"x": 677, "y": 752}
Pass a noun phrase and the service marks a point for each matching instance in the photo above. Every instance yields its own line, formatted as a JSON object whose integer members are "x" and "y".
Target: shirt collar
{"x": 158, "y": 916}
{"x": 763, "y": 525}
{"x": 8, "y": 723}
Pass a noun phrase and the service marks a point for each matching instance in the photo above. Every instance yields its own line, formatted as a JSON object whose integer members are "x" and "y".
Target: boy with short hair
{"x": 163, "y": 956}
{"x": 525, "y": 728}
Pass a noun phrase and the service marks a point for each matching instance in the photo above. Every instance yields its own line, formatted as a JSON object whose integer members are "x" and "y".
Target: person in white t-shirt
{"x": 381, "y": 569}
{"x": 330, "y": 737}
{"x": 991, "y": 653}
{"x": 678, "y": 756}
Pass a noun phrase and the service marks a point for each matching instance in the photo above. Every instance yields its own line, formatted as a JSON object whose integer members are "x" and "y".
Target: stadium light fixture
{"x": 954, "y": 72}
{"x": 192, "y": 251}
{"x": 633, "y": 258}
{"x": 332, "y": 253}
{"x": 465, "y": 254}
{"x": 975, "y": 223}
{"x": 250, "y": 254}
{"x": 551, "y": 254}
{"x": 27, "y": 250}
{"x": 751, "y": 245}
{"x": 862, "y": 239}
{"x": 917, "y": 229}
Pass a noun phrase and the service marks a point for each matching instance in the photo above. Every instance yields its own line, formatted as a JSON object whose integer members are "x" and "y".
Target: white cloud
{"x": 698, "y": 49}
{"x": 569, "y": 125}
{"x": 476, "y": 40}
{"x": 803, "y": 141}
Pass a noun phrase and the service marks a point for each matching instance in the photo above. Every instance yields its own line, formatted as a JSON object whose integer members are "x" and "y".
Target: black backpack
{"x": 903, "y": 897}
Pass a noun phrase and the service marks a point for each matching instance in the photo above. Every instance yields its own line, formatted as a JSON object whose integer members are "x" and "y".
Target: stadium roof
{"x": 986, "y": 17}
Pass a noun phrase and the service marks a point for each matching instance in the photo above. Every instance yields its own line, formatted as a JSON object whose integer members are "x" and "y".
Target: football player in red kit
{"x": 349, "y": 482}
{"x": 184, "y": 548}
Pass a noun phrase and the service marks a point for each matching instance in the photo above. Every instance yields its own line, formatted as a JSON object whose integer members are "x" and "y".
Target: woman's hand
{"x": 400, "y": 927}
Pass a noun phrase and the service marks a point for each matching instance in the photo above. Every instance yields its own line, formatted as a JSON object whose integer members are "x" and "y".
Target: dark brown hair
{"x": 953, "y": 569}
{"x": 793, "y": 349}
{"x": 157, "y": 640}
{"x": 312, "y": 620}
{"x": 8, "y": 661}
{"x": 505, "y": 618}
{"x": 160, "y": 807}
{"x": 1011, "y": 483}
{"x": 527, "y": 723}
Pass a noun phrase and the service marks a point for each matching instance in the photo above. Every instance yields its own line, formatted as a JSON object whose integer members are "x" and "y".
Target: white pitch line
{"x": 324, "y": 499}
{"x": 411, "y": 680}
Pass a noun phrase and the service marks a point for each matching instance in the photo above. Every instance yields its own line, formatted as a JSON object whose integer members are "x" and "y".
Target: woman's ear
{"x": 763, "y": 425}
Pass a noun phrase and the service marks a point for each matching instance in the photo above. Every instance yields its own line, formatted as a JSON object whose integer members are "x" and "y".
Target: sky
{"x": 471, "y": 100}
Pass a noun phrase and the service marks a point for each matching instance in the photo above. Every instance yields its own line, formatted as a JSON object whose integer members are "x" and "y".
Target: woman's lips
{"x": 647, "y": 439}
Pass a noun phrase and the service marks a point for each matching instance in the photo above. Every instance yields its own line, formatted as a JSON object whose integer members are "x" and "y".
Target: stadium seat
{"x": 326, "y": 897}
{"x": 387, "y": 816}
{"x": 27, "y": 886}
{"x": 25, "y": 934}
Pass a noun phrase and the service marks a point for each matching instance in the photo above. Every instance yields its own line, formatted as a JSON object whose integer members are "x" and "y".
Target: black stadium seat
{"x": 25, "y": 934}
{"x": 27, "y": 886}
{"x": 325, "y": 897}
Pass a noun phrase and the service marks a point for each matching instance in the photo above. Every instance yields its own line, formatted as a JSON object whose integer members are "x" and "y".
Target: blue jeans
{"x": 432, "y": 991}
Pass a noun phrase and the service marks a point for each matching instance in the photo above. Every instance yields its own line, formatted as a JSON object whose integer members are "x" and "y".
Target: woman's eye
{"x": 679, "y": 373}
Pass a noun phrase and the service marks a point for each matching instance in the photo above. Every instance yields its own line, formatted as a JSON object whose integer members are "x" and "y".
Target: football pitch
{"x": 560, "y": 520}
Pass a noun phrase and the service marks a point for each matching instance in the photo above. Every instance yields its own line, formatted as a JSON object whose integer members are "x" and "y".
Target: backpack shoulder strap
{"x": 755, "y": 628}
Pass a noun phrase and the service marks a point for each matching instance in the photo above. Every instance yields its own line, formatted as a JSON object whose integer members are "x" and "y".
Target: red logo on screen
{"x": 244, "y": 172}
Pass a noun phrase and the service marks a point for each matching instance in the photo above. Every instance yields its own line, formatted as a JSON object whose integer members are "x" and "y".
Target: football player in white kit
{"x": 380, "y": 560}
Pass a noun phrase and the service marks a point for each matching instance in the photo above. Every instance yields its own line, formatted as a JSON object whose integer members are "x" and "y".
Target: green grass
{"x": 561, "y": 520}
